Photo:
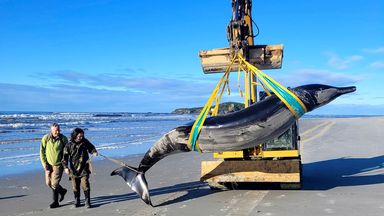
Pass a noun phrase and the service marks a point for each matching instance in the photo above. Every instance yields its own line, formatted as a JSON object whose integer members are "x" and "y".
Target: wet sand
{"x": 343, "y": 174}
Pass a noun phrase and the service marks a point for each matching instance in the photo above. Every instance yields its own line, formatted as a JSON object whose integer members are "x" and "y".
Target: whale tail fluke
{"x": 135, "y": 180}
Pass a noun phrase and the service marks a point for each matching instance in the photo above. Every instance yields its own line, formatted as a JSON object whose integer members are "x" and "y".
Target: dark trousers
{"x": 77, "y": 181}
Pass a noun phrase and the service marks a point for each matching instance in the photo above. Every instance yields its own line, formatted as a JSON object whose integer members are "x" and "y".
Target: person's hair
{"x": 76, "y": 132}
{"x": 55, "y": 125}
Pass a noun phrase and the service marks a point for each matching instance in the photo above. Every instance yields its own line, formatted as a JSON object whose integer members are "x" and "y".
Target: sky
{"x": 142, "y": 56}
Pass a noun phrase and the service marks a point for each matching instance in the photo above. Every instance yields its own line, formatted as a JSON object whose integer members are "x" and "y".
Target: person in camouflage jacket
{"x": 76, "y": 155}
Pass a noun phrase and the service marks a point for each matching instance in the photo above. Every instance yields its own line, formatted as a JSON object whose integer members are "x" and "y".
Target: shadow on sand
{"x": 191, "y": 190}
{"x": 321, "y": 175}
{"x": 325, "y": 175}
{"x": 12, "y": 197}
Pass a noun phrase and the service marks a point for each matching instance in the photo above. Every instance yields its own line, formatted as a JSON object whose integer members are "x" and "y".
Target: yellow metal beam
{"x": 282, "y": 153}
{"x": 229, "y": 154}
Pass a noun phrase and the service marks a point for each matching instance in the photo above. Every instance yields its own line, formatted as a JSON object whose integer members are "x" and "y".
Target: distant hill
{"x": 223, "y": 108}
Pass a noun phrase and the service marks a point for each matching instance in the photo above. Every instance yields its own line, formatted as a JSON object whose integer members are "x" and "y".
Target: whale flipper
{"x": 136, "y": 181}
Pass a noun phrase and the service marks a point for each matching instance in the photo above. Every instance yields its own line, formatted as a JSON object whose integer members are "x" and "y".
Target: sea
{"x": 114, "y": 135}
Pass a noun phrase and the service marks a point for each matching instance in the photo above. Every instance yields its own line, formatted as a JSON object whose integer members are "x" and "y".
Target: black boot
{"x": 77, "y": 199}
{"x": 87, "y": 199}
{"x": 62, "y": 192}
{"x": 55, "y": 197}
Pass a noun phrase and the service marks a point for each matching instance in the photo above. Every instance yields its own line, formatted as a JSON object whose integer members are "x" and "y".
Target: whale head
{"x": 317, "y": 95}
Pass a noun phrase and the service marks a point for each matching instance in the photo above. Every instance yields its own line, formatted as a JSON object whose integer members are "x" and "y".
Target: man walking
{"x": 51, "y": 153}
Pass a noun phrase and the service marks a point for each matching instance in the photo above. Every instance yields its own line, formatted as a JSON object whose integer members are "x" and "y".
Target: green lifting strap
{"x": 293, "y": 103}
{"x": 199, "y": 122}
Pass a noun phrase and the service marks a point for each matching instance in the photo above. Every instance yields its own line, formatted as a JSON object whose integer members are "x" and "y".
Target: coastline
{"x": 343, "y": 174}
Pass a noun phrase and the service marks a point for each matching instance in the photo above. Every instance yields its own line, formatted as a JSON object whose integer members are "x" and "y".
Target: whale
{"x": 238, "y": 130}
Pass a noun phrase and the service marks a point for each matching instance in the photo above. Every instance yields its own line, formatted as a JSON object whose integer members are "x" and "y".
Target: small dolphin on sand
{"x": 243, "y": 129}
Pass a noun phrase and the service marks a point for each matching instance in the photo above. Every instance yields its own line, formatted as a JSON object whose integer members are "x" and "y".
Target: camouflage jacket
{"x": 76, "y": 155}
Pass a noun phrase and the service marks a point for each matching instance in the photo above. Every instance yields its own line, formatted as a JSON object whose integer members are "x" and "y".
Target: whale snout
{"x": 346, "y": 90}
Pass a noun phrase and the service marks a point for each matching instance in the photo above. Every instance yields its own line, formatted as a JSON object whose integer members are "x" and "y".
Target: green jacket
{"x": 51, "y": 150}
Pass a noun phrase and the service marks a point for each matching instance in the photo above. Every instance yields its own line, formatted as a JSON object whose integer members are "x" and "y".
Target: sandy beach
{"x": 343, "y": 174}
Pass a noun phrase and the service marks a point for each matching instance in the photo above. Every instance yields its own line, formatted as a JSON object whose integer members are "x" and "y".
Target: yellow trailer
{"x": 276, "y": 161}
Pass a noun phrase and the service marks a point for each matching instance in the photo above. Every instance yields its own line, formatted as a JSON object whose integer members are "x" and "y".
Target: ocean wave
{"x": 20, "y": 125}
{"x": 20, "y": 141}
{"x": 24, "y": 131}
{"x": 45, "y": 125}
{"x": 137, "y": 141}
{"x": 34, "y": 155}
{"x": 91, "y": 137}
{"x": 17, "y": 149}
{"x": 15, "y": 121}
{"x": 120, "y": 128}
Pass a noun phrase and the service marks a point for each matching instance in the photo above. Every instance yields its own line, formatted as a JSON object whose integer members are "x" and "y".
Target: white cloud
{"x": 126, "y": 82}
{"x": 377, "y": 50}
{"x": 76, "y": 98}
{"x": 342, "y": 63}
{"x": 311, "y": 75}
{"x": 377, "y": 64}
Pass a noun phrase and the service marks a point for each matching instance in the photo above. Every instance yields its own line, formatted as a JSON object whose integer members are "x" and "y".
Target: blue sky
{"x": 142, "y": 56}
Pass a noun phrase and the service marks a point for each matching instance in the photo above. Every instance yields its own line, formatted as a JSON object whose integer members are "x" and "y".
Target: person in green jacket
{"x": 76, "y": 155}
{"x": 51, "y": 154}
